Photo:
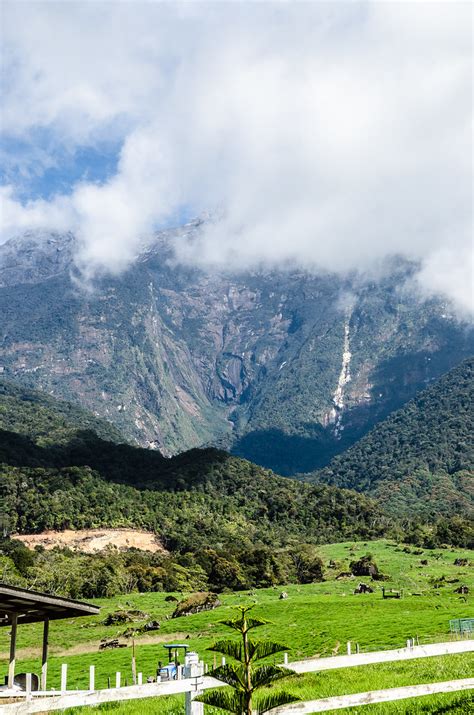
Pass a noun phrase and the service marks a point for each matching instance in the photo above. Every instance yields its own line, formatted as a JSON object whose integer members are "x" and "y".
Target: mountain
{"x": 46, "y": 420}
{"x": 284, "y": 368}
{"x": 201, "y": 497}
{"x": 421, "y": 458}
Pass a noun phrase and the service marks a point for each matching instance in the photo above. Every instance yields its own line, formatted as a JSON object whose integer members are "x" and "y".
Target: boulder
{"x": 365, "y": 566}
{"x": 123, "y": 616}
{"x": 197, "y": 602}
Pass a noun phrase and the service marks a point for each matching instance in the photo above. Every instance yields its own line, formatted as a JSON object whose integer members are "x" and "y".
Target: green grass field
{"x": 453, "y": 704}
{"x": 312, "y": 686}
{"x": 315, "y": 619}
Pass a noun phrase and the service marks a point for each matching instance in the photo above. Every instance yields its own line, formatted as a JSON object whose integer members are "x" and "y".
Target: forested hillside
{"x": 225, "y": 522}
{"x": 421, "y": 458}
{"x": 46, "y": 420}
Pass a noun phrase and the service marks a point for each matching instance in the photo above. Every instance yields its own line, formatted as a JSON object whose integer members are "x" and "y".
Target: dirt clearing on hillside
{"x": 92, "y": 540}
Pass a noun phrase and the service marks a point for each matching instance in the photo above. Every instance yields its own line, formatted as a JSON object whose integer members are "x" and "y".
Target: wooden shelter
{"x": 19, "y": 605}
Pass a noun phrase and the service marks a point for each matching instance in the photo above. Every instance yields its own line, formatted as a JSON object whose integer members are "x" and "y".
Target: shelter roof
{"x": 33, "y": 606}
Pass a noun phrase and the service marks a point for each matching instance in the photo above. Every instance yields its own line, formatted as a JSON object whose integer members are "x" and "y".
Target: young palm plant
{"x": 243, "y": 676}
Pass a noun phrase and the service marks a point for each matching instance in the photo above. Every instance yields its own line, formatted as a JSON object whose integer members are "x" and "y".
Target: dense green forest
{"x": 46, "y": 420}
{"x": 224, "y": 522}
{"x": 421, "y": 458}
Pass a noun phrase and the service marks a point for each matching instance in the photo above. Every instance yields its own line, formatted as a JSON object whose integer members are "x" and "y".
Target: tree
{"x": 243, "y": 677}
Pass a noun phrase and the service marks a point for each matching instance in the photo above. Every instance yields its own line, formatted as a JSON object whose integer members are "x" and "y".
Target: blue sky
{"x": 38, "y": 168}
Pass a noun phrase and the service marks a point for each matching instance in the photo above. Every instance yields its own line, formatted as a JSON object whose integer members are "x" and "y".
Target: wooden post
{"x": 140, "y": 679}
{"x": 348, "y": 647}
{"x": 92, "y": 677}
{"x": 285, "y": 658}
{"x": 63, "y": 677}
{"x": 117, "y": 680}
{"x": 11, "y": 665}
{"x": 44, "y": 656}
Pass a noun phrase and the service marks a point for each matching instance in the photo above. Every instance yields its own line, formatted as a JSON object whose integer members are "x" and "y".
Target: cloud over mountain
{"x": 329, "y": 135}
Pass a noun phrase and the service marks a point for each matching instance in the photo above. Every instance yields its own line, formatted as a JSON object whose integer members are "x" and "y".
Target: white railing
{"x": 36, "y": 702}
{"x": 311, "y": 665}
{"x": 373, "y": 696}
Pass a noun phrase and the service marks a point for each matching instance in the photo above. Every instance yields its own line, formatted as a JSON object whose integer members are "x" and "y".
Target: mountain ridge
{"x": 252, "y": 362}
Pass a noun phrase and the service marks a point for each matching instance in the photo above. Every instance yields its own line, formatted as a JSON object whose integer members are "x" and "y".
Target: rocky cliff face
{"x": 272, "y": 365}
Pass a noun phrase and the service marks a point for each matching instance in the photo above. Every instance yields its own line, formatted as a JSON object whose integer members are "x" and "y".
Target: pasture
{"x": 314, "y": 619}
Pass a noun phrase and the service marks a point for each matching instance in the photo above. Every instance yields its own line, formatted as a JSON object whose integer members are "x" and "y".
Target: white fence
{"x": 38, "y": 703}
{"x": 374, "y": 696}
{"x": 381, "y": 656}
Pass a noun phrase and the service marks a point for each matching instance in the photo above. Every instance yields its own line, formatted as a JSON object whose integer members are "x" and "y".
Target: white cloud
{"x": 328, "y": 135}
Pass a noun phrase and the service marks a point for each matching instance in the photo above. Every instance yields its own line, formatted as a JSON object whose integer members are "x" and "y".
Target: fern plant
{"x": 243, "y": 676}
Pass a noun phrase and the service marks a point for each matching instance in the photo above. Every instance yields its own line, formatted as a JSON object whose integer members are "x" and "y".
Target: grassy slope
{"x": 313, "y": 619}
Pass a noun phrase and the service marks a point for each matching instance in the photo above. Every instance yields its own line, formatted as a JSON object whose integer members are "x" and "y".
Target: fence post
{"x": 348, "y": 647}
{"x": 223, "y": 660}
{"x": 117, "y": 679}
{"x": 63, "y": 677}
{"x": 134, "y": 664}
{"x": 191, "y": 706}
{"x": 92, "y": 677}
{"x": 28, "y": 686}
{"x": 285, "y": 658}
{"x": 140, "y": 678}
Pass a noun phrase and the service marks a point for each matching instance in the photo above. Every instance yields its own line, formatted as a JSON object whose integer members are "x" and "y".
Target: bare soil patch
{"x": 93, "y": 540}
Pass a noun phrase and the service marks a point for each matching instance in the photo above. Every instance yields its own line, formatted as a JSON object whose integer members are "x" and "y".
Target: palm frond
{"x": 267, "y": 674}
{"x": 263, "y": 649}
{"x": 274, "y": 700}
{"x": 231, "y": 702}
{"x": 232, "y": 675}
{"x": 230, "y": 648}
